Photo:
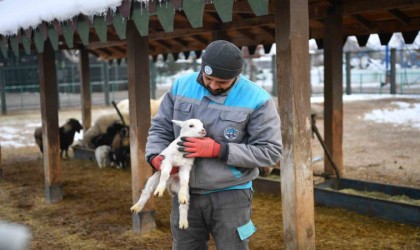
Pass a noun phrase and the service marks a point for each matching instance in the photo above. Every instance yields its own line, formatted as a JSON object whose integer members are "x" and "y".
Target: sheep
{"x": 177, "y": 183}
{"x": 103, "y": 122}
{"x": 123, "y": 105}
{"x": 108, "y": 137}
{"x": 66, "y": 135}
{"x": 100, "y": 127}
{"x": 103, "y": 156}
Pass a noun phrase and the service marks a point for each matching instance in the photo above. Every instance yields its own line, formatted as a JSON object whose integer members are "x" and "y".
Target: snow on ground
{"x": 405, "y": 113}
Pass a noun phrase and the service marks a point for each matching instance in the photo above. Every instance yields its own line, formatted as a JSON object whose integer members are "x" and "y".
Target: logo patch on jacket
{"x": 231, "y": 133}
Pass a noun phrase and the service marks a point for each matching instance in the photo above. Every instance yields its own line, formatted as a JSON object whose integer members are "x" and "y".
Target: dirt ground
{"x": 94, "y": 213}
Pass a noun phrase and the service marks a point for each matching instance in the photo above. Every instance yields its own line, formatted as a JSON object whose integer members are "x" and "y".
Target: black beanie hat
{"x": 222, "y": 59}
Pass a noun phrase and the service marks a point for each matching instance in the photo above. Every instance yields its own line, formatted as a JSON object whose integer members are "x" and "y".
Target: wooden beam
{"x": 181, "y": 42}
{"x": 200, "y": 39}
{"x": 333, "y": 91}
{"x": 49, "y": 116}
{"x": 400, "y": 16}
{"x": 246, "y": 33}
{"x": 319, "y": 10}
{"x": 164, "y": 44}
{"x": 269, "y": 31}
{"x": 85, "y": 94}
{"x": 118, "y": 51}
{"x": 292, "y": 35}
{"x": 353, "y": 7}
{"x": 365, "y": 22}
{"x": 139, "y": 102}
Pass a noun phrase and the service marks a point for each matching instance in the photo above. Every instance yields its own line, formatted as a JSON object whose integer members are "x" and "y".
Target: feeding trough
{"x": 83, "y": 153}
{"x": 386, "y": 201}
{"x": 401, "y": 204}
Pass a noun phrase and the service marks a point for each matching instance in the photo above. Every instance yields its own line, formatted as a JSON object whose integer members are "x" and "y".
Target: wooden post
{"x": 3, "y": 91}
{"x": 333, "y": 90}
{"x": 3, "y": 106}
{"x": 139, "y": 101}
{"x": 1, "y": 166}
{"x": 293, "y": 80}
{"x": 50, "y": 132}
{"x": 105, "y": 76}
{"x": 274, "y": 73}
{"x": 153, "y": 74}
{"x": 348, "y": 74}
{"x": 85, "y": 94}
{"x": 393, "y": 87}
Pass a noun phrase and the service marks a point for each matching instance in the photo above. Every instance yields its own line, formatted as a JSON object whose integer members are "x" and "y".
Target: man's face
{"x": 215, "y": 85}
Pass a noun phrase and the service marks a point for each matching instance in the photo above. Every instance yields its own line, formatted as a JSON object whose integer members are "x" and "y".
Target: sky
{"x": 404, "y": 114}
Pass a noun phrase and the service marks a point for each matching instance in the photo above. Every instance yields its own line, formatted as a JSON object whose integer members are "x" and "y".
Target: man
{"x": 243, "y": 129}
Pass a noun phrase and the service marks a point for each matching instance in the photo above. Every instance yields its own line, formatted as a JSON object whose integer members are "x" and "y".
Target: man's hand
{"x": 199, "y": 147}
{"x": 156, "y": 162}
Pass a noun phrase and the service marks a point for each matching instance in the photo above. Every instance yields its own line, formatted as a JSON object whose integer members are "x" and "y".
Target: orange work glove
{"x": 199, "y": 147}
{"x": 157, "y": 161}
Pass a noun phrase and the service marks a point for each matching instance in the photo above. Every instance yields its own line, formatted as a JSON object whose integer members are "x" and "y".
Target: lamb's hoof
{"x": 183, "y": 224}
{"x": 182, "y": 200}
{"x": 136, "y": 209}
{"x": 158, "y": 192}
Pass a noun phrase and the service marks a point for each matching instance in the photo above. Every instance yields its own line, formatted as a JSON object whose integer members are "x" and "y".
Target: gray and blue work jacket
{"x": 244, "y": 120}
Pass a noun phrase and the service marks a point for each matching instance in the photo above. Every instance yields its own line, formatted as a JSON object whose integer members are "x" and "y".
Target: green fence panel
{"x": 194, "y": 10}
{"x": 224, "y": 9}
{"x": 140, "y": 18}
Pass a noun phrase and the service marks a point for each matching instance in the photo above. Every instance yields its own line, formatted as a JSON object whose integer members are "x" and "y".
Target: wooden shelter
{"x": 136, "y": 30}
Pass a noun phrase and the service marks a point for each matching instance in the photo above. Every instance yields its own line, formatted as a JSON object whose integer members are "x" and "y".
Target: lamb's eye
{"x": 191, "y": 126}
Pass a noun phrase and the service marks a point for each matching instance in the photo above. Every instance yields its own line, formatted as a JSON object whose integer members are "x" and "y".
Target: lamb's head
{"x": 191, "y": 128}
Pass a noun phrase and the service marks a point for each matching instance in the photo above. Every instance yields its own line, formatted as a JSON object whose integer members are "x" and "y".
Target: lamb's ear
{"x": 179, "y": 123}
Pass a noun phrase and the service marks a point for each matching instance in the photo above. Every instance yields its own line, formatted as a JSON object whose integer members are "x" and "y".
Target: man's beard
{"x": 220, "y": 90}
{"x": 216, "y": 91}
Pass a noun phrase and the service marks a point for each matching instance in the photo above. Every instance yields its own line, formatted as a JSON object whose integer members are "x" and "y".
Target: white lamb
{"x": 103, "y": 156}
{"x": 176, "y": 184}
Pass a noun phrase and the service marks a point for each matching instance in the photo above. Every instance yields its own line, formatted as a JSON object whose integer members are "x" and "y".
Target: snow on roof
{"x": 17, "y": 14}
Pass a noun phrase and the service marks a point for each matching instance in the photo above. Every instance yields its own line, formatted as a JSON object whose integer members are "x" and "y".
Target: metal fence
{"x": 19, "y": 82}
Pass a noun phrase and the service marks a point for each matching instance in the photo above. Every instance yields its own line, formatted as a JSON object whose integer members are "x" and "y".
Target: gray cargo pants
{"x": 226, "y": 215}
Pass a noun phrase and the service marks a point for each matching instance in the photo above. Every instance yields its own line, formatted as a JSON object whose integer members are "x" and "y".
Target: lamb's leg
{"x": 151, "y": 184}
{"x": 165, "y": 171}
{"x": 184, "y": 178}
{"x": 183, "y": 215}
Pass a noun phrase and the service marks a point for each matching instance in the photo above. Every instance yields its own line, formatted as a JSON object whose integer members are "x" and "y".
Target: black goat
{"x": 120, "y": 148}
{"x": 66, "y": 133}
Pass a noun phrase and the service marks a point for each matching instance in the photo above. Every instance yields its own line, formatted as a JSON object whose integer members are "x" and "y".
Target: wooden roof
{"x": 175, "y": 26}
